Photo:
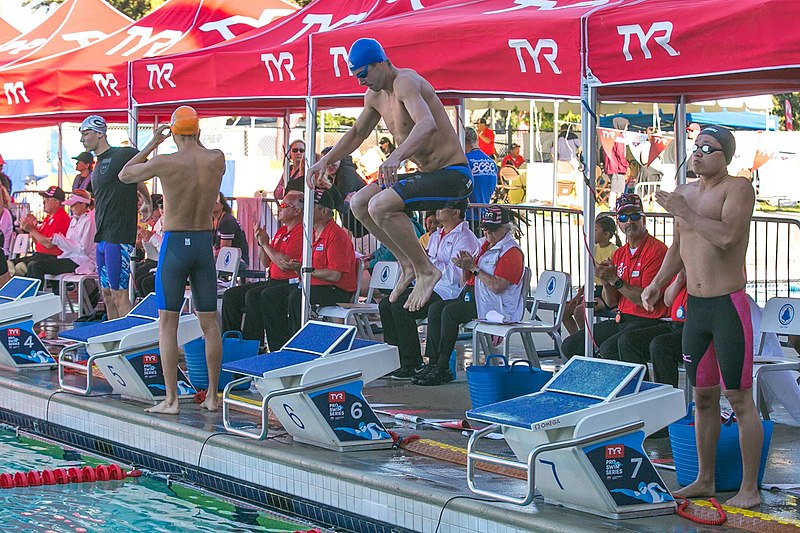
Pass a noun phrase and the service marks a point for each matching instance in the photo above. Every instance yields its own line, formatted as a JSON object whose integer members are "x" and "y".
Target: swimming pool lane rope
{"x": 62, "y": 476}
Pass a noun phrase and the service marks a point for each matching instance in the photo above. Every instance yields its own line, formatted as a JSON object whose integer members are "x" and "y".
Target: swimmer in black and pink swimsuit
{"x": 718, "y": 341}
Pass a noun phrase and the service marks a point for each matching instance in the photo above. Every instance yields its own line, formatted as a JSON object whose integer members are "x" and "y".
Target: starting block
{"x": 21, "y": 306}
{"x": 125, "y": 350}
{"x": 580, "y": 439}
{"x": 314, "y": 386}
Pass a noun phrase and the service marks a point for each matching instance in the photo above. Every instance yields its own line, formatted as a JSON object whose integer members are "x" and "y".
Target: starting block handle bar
{"x": 475, "y": 456}
{"x": 63, "y": 365}
{"x": 263, "y": 409}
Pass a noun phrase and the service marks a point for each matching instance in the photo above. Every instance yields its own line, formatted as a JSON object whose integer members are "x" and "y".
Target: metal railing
{"x": 552, "y": 239}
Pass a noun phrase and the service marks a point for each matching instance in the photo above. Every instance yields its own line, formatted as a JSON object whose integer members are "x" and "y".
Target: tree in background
{"x": 779, "y": 109}
{"x": 135, "y": 9}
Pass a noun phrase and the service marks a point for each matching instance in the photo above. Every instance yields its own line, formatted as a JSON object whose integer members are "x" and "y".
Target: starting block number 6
{"x": 293, "y": 416}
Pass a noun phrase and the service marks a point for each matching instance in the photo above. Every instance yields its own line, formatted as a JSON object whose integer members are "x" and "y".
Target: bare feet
{"x": 211, "y": 402}
{"x": 406, "y": 277}
{"x": 697, "y": 489}
{"x": 745, "y": 500}
{"x": 423, "y": 290}
{"x": 165, "y": 408}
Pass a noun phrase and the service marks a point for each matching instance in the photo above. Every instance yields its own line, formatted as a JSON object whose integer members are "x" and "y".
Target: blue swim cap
{"x": 365, "y": 52}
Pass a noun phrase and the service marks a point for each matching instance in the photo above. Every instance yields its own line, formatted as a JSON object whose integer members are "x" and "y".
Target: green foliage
{"x": 135, "y": 9}
{"x": 334, "y": 122}
{"x": 794, "y": 100}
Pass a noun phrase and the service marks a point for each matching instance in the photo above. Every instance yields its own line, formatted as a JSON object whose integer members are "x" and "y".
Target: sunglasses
{"x": 706, "y": 149}
{"x": 298, "y": 150}
{"x": 633, "y": 217}
{"x": 363, "y": 74}
{"x": 284, "y": 205}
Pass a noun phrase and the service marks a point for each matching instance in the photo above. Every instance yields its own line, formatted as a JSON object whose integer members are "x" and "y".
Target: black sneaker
{"x": 426, "y": 369}
{"x": 437, "y": 376}
{"x": 406, "y": 372}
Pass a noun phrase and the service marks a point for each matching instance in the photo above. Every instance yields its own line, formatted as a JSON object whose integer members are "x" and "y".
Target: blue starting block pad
{"x": 581, "y": 437}
{"x": 22, "y": 306}
{"x": 125, "y": 350}
{"x": 314, "y": 386}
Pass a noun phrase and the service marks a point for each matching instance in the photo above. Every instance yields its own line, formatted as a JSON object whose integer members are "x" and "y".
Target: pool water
{"x": 142, "y": 505}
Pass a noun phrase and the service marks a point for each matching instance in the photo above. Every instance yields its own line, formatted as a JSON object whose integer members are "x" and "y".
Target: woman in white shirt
{"x": 77, "y": 246}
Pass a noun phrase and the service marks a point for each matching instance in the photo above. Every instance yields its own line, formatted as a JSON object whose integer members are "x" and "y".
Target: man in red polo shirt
{"x": 56, "y": 221}
{"x": 485, "y": 138}
{"x": 333, "y": 279}
{"x": 247, "y": 300}
{"x": 631, "y": 269}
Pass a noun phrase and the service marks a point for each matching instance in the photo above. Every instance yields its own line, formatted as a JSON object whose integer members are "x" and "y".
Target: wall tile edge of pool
{"x": 328, "y": 494}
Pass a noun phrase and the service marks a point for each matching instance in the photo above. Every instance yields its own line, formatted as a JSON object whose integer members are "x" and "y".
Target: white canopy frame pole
{"x": 531, "y": 131}
{"x": 680, "y": 140}
{"x": 287, "y": 131}
{"x": 461, "y": 121}
{"x": 60, "y": 157}
{"x": 308, "y": 210}
{"x": 589, "y": 134}
{"x": 554, "y": 158}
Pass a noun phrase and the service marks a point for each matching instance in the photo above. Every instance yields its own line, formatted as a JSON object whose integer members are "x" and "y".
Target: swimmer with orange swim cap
{"x": 185, "y": 121}
{"x": 191, "y": 178}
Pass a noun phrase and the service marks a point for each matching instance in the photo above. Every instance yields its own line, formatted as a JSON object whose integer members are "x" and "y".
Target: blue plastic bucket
{"x": 233, "y": 349}
{"x": 728, "y": 470}
{"x": 491, "y": 384}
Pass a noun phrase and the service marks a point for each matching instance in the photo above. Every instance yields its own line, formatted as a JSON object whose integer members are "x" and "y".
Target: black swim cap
{"x": 725, "y": 139}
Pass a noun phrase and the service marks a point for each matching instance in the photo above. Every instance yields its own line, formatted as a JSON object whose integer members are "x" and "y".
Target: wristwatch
{"x": 475, "y": 271}
{"x": 619, "y": 283}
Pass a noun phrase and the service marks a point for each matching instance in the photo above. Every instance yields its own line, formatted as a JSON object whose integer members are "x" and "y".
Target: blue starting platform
{"x": 22, "y": 306}
{"x": 314, "y": 386}
{"x": 580, "y": 439}
{"x": 125, "y": 350}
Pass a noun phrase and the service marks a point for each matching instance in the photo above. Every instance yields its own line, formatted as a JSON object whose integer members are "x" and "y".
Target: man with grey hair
{"x": 484, "y": 177}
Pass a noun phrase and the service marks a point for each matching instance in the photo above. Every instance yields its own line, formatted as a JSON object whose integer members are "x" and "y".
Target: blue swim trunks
{"x": 187, "y": 256}
{"x": 430, "y": 190}
{"x": 114, "y": 264}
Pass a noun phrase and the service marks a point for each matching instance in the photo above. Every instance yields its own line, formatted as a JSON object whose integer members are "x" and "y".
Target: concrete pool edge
{"x": 286, "y": 469}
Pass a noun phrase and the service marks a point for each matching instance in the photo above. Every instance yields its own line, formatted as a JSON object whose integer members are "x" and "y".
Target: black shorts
{"x": 186, "y": 255}
{"x": 718, "y": 341}
{"x": 430, "y": 190}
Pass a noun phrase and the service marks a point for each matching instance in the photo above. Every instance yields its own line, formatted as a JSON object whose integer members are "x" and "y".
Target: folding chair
{"x": 384, "y": 276}
{"x": 228, "y": 261}
{"x": 778, "y": 317}
{"x": 21, "y": 245}
{"x": 551, "y": 294}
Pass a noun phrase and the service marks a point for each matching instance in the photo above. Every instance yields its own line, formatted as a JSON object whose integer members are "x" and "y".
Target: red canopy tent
{"x": 258, "y": 73}
{"x": 7, "y": 32}
{"x": 94, "y": 79}
{"x": 487, "y": 47}
{"x": 669, "y": 51}
{"x": 67, "y": 28}
{"x": 706, "y": 49}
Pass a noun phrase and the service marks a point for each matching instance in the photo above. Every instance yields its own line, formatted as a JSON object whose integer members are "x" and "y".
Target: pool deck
{"x": 395, "y": 490}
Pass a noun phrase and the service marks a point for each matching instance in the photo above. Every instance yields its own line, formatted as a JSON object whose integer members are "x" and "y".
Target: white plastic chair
{"x": 778, "y": 317}
{"x": 384, "y": 276}
{"x": 21, "y": 244}
{"x": 228, "y": 260}
{"x": 84, "y": 301}
{"x": 551, "y": 295}
{"x": 483, "y": 339}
